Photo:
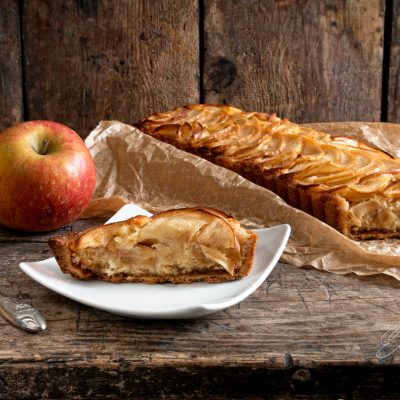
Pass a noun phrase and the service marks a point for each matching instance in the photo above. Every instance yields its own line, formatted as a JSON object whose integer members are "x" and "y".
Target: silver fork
{"x": 22, "y": 315}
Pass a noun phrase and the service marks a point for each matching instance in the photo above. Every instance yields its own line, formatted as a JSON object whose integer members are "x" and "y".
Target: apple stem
{"x": 44, "y": 147}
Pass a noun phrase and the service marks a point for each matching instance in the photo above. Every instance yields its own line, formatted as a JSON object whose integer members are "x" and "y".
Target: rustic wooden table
{"x": 302, "y": 334}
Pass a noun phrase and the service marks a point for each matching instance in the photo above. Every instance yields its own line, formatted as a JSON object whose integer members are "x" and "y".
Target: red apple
{"x": 47, "y": 176}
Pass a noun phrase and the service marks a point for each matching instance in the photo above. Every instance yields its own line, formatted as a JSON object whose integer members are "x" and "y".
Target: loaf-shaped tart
{"x": 179, "y": 246}
{"x": 347, "y": 184}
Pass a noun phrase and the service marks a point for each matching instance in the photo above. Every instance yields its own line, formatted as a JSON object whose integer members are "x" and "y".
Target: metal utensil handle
{"x": 22, "y": 315}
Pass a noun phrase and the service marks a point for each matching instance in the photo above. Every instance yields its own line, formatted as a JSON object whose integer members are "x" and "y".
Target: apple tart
{"x": 178, "y": 246}
{"x": 347, "y": 184}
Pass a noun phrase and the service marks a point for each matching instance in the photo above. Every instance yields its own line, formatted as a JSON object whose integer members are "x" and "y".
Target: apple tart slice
{"x": 178, "y": 246}
{"x": 347, "y": 184}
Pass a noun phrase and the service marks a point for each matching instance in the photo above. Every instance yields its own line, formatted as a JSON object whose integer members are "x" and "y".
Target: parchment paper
{"x": 134, "y": 167}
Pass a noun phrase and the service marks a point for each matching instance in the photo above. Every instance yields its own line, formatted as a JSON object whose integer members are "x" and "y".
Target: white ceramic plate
{"x": 163, "y": 301}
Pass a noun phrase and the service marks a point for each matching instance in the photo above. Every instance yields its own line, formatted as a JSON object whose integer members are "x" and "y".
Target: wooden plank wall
{"x": 93, "y": 60}
{"x": 81, "y": 61}
{"x": 308, "y": 60}
{"x": 11, "y": 102}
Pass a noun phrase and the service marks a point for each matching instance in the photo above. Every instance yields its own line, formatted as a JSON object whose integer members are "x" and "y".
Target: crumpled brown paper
{"x": 134, "y": 167}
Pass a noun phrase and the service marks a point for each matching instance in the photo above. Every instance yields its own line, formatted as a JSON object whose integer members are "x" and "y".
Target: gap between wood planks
{"x": 387, "y": 43}
{"x": 20, "y": 6}
{"x": 201, "y": 51}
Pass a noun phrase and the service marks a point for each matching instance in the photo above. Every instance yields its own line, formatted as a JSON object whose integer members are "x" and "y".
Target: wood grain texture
{"x": 394, "y": 66}
{"x": 306, "y": 60}
{"x": 92, "y": 60}
{"x": 300, "y": 328}
{"x": 11, "y": 101}
{"x": 8, "y": 235}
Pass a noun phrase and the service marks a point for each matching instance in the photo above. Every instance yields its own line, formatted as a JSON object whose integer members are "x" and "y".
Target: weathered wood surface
{"x": 306, "y": 60}
{"x": 302, "y": 332}
{"x": 93, "y": 60}
{"x": 11, "y": 102}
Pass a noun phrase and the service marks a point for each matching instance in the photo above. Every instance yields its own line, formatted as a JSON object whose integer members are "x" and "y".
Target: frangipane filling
{"x": 376, "y": 213}
{"x": 166, "y": 246}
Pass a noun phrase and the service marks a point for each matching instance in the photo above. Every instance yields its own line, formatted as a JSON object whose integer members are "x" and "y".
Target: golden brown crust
{"x": 61, "y": 247}
{"x": 322, "y": 175}
{"x": 64, "y": 248}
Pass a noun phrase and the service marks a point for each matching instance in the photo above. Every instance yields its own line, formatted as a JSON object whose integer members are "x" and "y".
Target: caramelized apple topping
{"x": 281, "y": 151}
{"x": 171, "y": 242}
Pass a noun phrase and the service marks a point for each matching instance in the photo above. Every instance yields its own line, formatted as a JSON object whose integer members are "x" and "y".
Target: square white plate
{"x": 163, "y": 301}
